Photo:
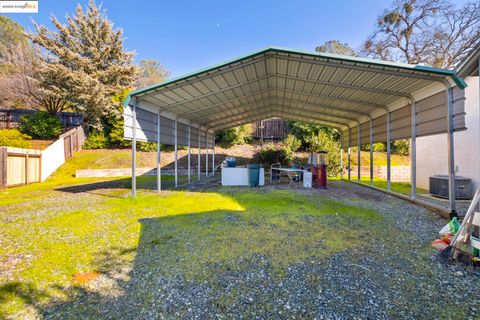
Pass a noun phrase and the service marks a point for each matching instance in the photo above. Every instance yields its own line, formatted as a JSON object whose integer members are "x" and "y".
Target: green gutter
{"x": 460, "y": 82}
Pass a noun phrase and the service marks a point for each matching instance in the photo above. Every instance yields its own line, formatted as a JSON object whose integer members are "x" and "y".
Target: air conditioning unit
{"x": 439, "y": 187}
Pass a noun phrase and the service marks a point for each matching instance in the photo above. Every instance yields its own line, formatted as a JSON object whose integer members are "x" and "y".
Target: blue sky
{"x": 188, "y": 35}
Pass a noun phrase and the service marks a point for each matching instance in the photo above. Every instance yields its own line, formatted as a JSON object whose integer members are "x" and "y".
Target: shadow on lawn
{"x": 190, "y": 257}
{"x": 158, "y": 271}
{"x": 102, "y": 188}
{"x": 25, "y": 293}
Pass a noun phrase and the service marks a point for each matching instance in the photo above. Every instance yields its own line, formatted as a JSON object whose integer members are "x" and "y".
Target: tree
{"x": 11, "y": 35}
{"x": 431, "y": 32}
{"x": 85, "y": 63}
{"x": 14, "y": 47}
{"x": 151, "y": 72}
{"x": 306, "y": 131}
{"x": 336, "y": 47}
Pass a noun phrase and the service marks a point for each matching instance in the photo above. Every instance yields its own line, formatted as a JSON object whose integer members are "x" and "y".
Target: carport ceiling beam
{"x": 276, "y": 113}
{"x": 320, "y": 96}
{"x": 278, "y": 102}
{"x": 312, "y": 115}
{"x": 347, "y": 86}
{"x": 246, "y": 96}
{"x": 359, "y": 102}
{"x": 206, "y": 95}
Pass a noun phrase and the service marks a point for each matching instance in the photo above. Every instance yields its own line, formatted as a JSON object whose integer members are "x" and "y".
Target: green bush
{"x": 380, "y": 147}
{"x": 41, "y": 125}
{"x": 292, "y": 143}
{"x": 14, "y": 138}
{"x": 272, "y": 153}
{"x": 146, "y": 146}
{"x": 96, "y": 140}
{"x": 234, "y": 136}
{"x": 401, "y": 147}
{"x": 114, "y": 133}
{"x": 304, "y": 131}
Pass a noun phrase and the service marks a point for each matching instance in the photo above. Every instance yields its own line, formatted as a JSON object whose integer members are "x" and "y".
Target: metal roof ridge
{"x": 445, "y": 72}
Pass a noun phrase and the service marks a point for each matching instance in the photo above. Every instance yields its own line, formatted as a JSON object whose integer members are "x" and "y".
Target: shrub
{"x": 401, "y": 147}
{"x": 14, "y": 138}
{"x": 114, "y": 133}
{"x": 96, "y": 140}
{"x": 234, "y": 136}
{"x": 292, "y": 143}
{"x": 146, "y": 146}
{"x": 380, "y": 147}
{"x": 41, "y": 125}
{"x": 304, "y": 131}
{"x": 272, "y": 153}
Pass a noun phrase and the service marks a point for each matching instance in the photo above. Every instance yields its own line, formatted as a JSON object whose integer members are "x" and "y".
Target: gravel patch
{"x": 386, "y": 278}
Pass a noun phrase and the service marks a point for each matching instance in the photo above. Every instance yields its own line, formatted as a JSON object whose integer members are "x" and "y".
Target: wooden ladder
{"x": 463, "y": 240}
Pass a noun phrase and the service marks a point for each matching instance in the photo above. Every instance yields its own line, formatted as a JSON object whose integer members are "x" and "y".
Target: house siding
{"x": 432, "y": 150}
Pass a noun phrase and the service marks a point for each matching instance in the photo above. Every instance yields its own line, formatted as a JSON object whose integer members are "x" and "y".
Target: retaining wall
{"x": 398, "y": 173}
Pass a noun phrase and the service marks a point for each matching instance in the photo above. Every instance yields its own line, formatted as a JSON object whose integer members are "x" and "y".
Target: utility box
{"x": 439, "y": 187}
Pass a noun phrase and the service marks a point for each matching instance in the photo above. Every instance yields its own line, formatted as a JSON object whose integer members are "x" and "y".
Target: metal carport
{"x": 367, "y": 100}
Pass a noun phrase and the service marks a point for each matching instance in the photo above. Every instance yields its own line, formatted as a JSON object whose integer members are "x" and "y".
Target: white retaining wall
{"x": 397, "y": 173}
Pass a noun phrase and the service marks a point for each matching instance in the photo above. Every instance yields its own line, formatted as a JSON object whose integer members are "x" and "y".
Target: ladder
{"x": 464, "y": 240}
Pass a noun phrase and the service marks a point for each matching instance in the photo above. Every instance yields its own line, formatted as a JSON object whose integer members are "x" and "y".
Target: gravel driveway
{"x": 393, "y": 277}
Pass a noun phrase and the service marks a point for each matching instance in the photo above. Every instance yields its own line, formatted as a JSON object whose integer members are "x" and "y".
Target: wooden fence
{"x": 73, "y": 141}
{"x": 19, "y": 166}
{"x": 24, "y": 166}
{"x": 10, "y": 118}
{"x": 270, "y": 129}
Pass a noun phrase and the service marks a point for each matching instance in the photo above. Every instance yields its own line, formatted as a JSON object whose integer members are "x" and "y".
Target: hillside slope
{"x": 121, "y": 158}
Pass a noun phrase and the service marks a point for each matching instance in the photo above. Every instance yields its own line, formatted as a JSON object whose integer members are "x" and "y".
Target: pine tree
{"x": 85, "y": 63}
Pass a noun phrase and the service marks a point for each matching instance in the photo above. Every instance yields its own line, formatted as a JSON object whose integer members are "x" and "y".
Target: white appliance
{"x": 238, "y": 176}
{"x": 307, "y": 179}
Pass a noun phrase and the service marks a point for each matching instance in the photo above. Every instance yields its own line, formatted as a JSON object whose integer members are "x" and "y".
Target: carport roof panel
{"x": 365, "y": 61}
{"x": 343, "y": 88}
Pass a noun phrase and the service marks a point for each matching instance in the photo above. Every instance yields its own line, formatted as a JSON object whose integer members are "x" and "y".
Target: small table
{"x": 290, "y": 172}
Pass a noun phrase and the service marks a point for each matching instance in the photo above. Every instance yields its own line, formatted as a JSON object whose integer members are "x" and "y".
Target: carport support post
{"x": 206, "y": 153}
{"x": 159, "y": 173}
{"x": 213, "y": 158}
{"x": 189, "y": 153}
{"x": 349, "y": 151}
{"x": 413, "y": 151}
{"x": 371, "y": 153}
{"x": 176, "y": 154}
{"x": 134, "y": 148}
{"x": 199, "y": 160}
{"x": 451, "y": 154}
{"x": 358, "y": 153}
{"x": 341, "y": 156}
{"x": 389, "y": 138}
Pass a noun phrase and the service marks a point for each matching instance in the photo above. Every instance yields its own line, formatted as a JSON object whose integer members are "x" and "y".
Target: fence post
{"x": 26, "y": 168}
{"x": 3, "y": 168}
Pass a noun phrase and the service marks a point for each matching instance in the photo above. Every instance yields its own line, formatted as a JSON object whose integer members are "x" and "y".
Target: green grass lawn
{"x": 54, "y": 230}
{"x": 399, "y": 187}
{"x": 48, "y": 238}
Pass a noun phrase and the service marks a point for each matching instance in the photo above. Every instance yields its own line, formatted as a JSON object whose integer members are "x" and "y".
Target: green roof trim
{"x": 460, "y": 82}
